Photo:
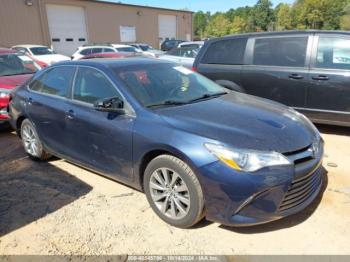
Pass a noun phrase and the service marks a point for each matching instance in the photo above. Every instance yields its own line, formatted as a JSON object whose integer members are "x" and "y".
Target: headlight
{"x": 247, "y": 160}
{"x": 4, "y": 93}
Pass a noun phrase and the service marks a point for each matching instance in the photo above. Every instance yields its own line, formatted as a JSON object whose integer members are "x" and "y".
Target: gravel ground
{"x": 58, "y": 208}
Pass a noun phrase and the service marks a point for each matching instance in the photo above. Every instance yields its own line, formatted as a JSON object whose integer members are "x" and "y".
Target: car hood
{"x": 243, "y": 121}
{"x": 10, "y": 82}
{"x": 50, "y": 59}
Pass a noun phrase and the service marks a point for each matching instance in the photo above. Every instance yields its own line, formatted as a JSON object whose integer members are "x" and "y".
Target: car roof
{"x": 7, "y": 51}
{"x": 115, "y": 63}
{"x": 95, "y": 46}
{"x": 192, "y": 42}
{"x": 29, "y": 46}
{"x": 120, "y": 45}
{"x": 287, "y": 32}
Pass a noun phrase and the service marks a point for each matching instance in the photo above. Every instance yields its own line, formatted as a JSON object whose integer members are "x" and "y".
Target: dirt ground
{"x": 58, "y": 208}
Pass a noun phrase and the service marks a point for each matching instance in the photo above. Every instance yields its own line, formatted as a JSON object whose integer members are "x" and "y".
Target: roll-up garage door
{"x": 167, "y": 27}
{"x": 67, "y": 28}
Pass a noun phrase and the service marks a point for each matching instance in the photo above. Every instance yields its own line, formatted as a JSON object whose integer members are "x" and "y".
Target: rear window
{"x": 281, "y": 51}
{"x": 228, "y": 52}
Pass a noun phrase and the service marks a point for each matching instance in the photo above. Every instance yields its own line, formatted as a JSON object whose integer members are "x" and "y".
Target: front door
{"x": 277, "y": 69}
{"x": 328, "y": 97}
{"x": 99, "y": 140}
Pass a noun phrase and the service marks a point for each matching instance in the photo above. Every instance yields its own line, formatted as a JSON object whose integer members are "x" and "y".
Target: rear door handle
{"x": 70, "y": 114}
{"x": 296, "y": 76}
{"x": 320, "y": 77}
{"x": 30, "y": 101}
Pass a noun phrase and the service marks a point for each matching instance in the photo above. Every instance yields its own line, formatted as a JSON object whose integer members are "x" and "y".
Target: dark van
{"x": 307, "y": 70}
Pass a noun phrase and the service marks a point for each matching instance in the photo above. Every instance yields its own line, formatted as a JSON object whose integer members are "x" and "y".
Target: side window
{"x": 86, "y": 51}
{"x": 57, "y": 81}
{"x": 229, "y": 52}
{"x": 175, "y": 52}
{"x": 91, "y": 85}
{"x": 281, "y": 51}
{"x": 333, "y": 53}
{"x": 96, "y": 50}
{"x": 108, "y": 50}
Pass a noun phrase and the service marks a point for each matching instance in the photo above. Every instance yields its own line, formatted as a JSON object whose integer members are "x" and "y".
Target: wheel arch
{"x": 19, "y": 121}
{"x": 155, "y": 152}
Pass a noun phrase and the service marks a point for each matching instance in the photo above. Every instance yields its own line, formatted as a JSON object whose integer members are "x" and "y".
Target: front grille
{"x": 307, "y": 177}
{"x": 300, "y": 190}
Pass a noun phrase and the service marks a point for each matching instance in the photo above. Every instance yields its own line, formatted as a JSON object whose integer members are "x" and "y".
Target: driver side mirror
{"x": 112, "y": 105}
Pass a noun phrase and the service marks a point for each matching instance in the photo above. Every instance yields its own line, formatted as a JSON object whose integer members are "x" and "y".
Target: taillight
{"x": 194, "y": 69}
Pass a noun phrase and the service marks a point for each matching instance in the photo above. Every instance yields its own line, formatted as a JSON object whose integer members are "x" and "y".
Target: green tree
{"x": 218, "y": 25}
{"x": 345, "y": 18}
{"x": 200, "y": 21}
{"x": 284, "y": 17}
{"x": 238, "y": 25}
{"x": 263, "y": 15}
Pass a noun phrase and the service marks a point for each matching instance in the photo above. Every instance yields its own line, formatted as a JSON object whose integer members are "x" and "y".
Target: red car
{"x": 15, "y": 69}
{"x": 109, "y": 55}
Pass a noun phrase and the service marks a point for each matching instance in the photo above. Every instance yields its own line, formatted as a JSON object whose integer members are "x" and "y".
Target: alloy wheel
{"x": 170, "y": 193}
{"x": 30, "y": 141}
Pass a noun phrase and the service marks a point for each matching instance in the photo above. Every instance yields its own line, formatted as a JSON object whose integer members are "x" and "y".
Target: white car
{"x": 147, "y": 50}
{"x": 192, "y": 44}
{"x": 96, "y": 49}
{"x": 41, "y": 54}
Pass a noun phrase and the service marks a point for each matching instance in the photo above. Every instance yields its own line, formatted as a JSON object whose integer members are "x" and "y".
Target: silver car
{"x": 182, "y": 55}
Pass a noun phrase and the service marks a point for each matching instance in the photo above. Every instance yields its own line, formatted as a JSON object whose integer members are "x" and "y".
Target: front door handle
{"x": 70, "y": 114}
{"x": 296, "y": 76}
{"x": 320, "y": 77}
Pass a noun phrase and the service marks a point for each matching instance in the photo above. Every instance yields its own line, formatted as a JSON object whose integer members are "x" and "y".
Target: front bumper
{"x": 242, "y": 199}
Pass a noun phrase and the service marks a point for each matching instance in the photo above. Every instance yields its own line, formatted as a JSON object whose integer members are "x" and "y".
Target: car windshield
{"x": 14, "y": 64}
{"x": 145, "y": 47}
{"x": 41, "y": 51}
{"x": 184, "y": 52}
{"x": 166, "y": 84}
{"x": 127, "y": 49}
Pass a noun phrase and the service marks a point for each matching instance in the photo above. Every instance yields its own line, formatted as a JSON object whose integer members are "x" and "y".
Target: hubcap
{"x": 30, "y": 141}
{"x": 169, "y": 192}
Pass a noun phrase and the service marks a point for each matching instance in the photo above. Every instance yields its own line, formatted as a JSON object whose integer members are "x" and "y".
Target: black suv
{"x": 307, "y": 70}
{"x": 170, "y": 44}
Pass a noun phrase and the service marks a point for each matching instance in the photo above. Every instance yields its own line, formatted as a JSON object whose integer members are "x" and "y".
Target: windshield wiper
{"x": 206, "y": 96}
{"x": 168, "y": 103}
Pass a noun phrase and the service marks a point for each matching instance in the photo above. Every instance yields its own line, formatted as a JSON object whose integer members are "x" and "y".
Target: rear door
{"x": 277, "y": 68}
{"x": 223, "y": 60}
{"x": 328, "y": 98}
{"x": 47, "y": 106}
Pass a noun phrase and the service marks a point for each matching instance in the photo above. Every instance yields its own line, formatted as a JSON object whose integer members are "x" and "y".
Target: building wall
{"x": 19, "y": 23}
{"x": 28, "y": 24}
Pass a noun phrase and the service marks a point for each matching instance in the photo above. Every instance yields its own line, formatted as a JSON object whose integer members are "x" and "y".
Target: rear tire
{"x": 173, "y": 191}
{"x": 31, "y": 142}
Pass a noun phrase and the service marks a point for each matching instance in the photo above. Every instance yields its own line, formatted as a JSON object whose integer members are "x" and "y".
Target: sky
{"x": 196, "y": 5}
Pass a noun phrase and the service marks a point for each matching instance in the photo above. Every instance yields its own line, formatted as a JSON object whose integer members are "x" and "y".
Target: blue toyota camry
{"x": 196, "y": 149}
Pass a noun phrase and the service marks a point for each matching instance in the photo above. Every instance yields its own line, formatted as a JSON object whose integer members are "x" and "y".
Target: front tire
{"x": 31, "y": 142}
{"x": 173, "y": 191}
